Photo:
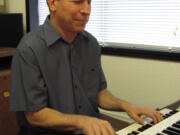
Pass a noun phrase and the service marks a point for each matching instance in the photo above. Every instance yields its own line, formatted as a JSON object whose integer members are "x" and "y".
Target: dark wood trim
{"x": 174, "y": 105}
{"x": 170, "y": 55}
{"x": 6, "y": 51}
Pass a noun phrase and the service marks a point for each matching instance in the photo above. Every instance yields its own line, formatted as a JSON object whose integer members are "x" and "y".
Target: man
{"x": 57, "y": 80}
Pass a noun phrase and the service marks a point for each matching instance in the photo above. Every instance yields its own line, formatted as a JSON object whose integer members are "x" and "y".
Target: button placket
{"x": 76, "y": 84}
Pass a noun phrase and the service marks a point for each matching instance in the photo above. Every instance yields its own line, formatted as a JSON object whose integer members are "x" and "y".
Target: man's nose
{"x": 86, "y": 8}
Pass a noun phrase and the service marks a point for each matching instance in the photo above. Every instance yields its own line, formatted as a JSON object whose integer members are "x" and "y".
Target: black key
{"x": 131, "y": 134}
{"x": 135, "y": 132}
{"x": 146, "y": 126}
{"x": 173, "y": 111}
{"x": 169, "y": 132}
{"x": 141, "y": 129}
{"x": 176, "y": 125}
{"x": 168, "y": 115}
{"x": 159, "y": 134}
{"x": 174, "y": 130}
{"x": 165, "y": 116}
{"x": 178, "y": 122}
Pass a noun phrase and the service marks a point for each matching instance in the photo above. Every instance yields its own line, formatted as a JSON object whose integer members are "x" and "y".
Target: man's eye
{"x": 89, "y": 2}
{"x": 77, "y": 1}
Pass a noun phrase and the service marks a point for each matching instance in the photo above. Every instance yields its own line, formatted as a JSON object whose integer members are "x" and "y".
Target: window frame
{"x": 109, "y": 49}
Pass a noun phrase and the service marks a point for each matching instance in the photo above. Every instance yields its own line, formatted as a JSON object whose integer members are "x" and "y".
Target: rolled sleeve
{"x": 28, "y": 91}
{"x": 103, "y": 83}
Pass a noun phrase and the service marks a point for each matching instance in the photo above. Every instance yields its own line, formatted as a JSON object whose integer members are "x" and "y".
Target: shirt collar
{"x": 52, "y": 35}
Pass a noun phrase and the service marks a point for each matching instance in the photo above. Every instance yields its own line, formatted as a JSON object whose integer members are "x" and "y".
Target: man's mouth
{"x": 82, "y": 22}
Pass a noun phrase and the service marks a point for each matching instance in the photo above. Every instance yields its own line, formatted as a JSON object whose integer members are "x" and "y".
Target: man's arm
{"x": 50, "y": 118}
{"x": 108, "y": 101}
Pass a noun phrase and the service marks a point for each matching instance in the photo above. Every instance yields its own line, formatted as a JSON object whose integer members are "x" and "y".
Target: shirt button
{"x": 79, "y": 106}
{"x": 75, "y": 86}
{"x": 92, "y": 69}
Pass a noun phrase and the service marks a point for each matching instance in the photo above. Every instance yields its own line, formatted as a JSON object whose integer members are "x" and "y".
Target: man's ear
{"x": 51, "y": 4}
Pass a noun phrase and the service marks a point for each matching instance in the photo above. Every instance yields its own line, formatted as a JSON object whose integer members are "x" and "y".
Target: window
{"x": 144, "y": 22}
{"x": 133, "y": 24}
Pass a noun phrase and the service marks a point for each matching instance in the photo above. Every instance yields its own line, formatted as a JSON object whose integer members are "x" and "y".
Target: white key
{"x": 129, "y": 129}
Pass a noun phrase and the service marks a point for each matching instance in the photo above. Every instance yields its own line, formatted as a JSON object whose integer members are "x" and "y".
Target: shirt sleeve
{"x": 28, "y": 90}
{"x": 103, "y": 82}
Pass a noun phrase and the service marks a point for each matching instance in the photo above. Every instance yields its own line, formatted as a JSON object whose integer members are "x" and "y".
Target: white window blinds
{"x": 139, "y": 22}
{"x": 43, "y": 11}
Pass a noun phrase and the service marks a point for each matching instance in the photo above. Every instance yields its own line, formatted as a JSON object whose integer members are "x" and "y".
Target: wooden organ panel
{"x": 8, "y": 123}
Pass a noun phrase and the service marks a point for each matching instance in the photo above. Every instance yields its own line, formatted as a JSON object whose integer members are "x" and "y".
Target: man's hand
{"x": 94, "y": 126}
{"x": 108, "y": 101}
{"x": 136, "y": 111}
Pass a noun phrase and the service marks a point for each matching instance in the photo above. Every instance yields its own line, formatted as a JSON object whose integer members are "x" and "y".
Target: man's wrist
{"x": 79, "y": 122}
{"x": 125, "y": 105}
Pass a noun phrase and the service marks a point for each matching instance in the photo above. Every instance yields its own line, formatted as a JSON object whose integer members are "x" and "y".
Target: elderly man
{"x": 57, "y": 79}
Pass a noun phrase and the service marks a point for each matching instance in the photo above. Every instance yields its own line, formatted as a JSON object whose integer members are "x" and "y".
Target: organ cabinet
{"x": 8, "y": 123}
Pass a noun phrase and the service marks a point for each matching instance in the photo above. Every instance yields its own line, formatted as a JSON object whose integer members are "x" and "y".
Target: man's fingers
{"x": 139, "y": 119}
{"x": 136, "y": 112}
{"x": 158, "y": 117}
{"x": 110, "y": 129}
{"x": 97, "y": 131}
{"x": 101, "y": 127}
{"x": 154, "y": 118}
{"x": 107, "y": 129}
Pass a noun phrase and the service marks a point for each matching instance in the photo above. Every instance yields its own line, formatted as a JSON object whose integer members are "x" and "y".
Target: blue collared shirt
{"x": 47, "y": 71}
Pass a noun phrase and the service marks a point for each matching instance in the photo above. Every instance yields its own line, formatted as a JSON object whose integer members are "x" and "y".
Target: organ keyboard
{"x": 169, "y": 126}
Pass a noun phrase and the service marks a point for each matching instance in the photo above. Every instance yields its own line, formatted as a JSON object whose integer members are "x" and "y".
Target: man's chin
{"x": 80, "y": 29}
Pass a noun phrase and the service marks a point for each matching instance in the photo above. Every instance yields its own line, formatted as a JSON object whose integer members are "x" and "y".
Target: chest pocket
{"x": 91, "y": 77}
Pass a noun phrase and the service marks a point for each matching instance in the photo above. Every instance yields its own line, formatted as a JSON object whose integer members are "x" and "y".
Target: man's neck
{"x": 67, "y": 35}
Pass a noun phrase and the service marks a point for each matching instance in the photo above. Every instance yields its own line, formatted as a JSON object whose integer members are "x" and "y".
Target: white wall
{"x": 146, "y": 82}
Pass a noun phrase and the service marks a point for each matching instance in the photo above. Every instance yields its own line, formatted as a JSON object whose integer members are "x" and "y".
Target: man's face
{"x": 72, "y": 15}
